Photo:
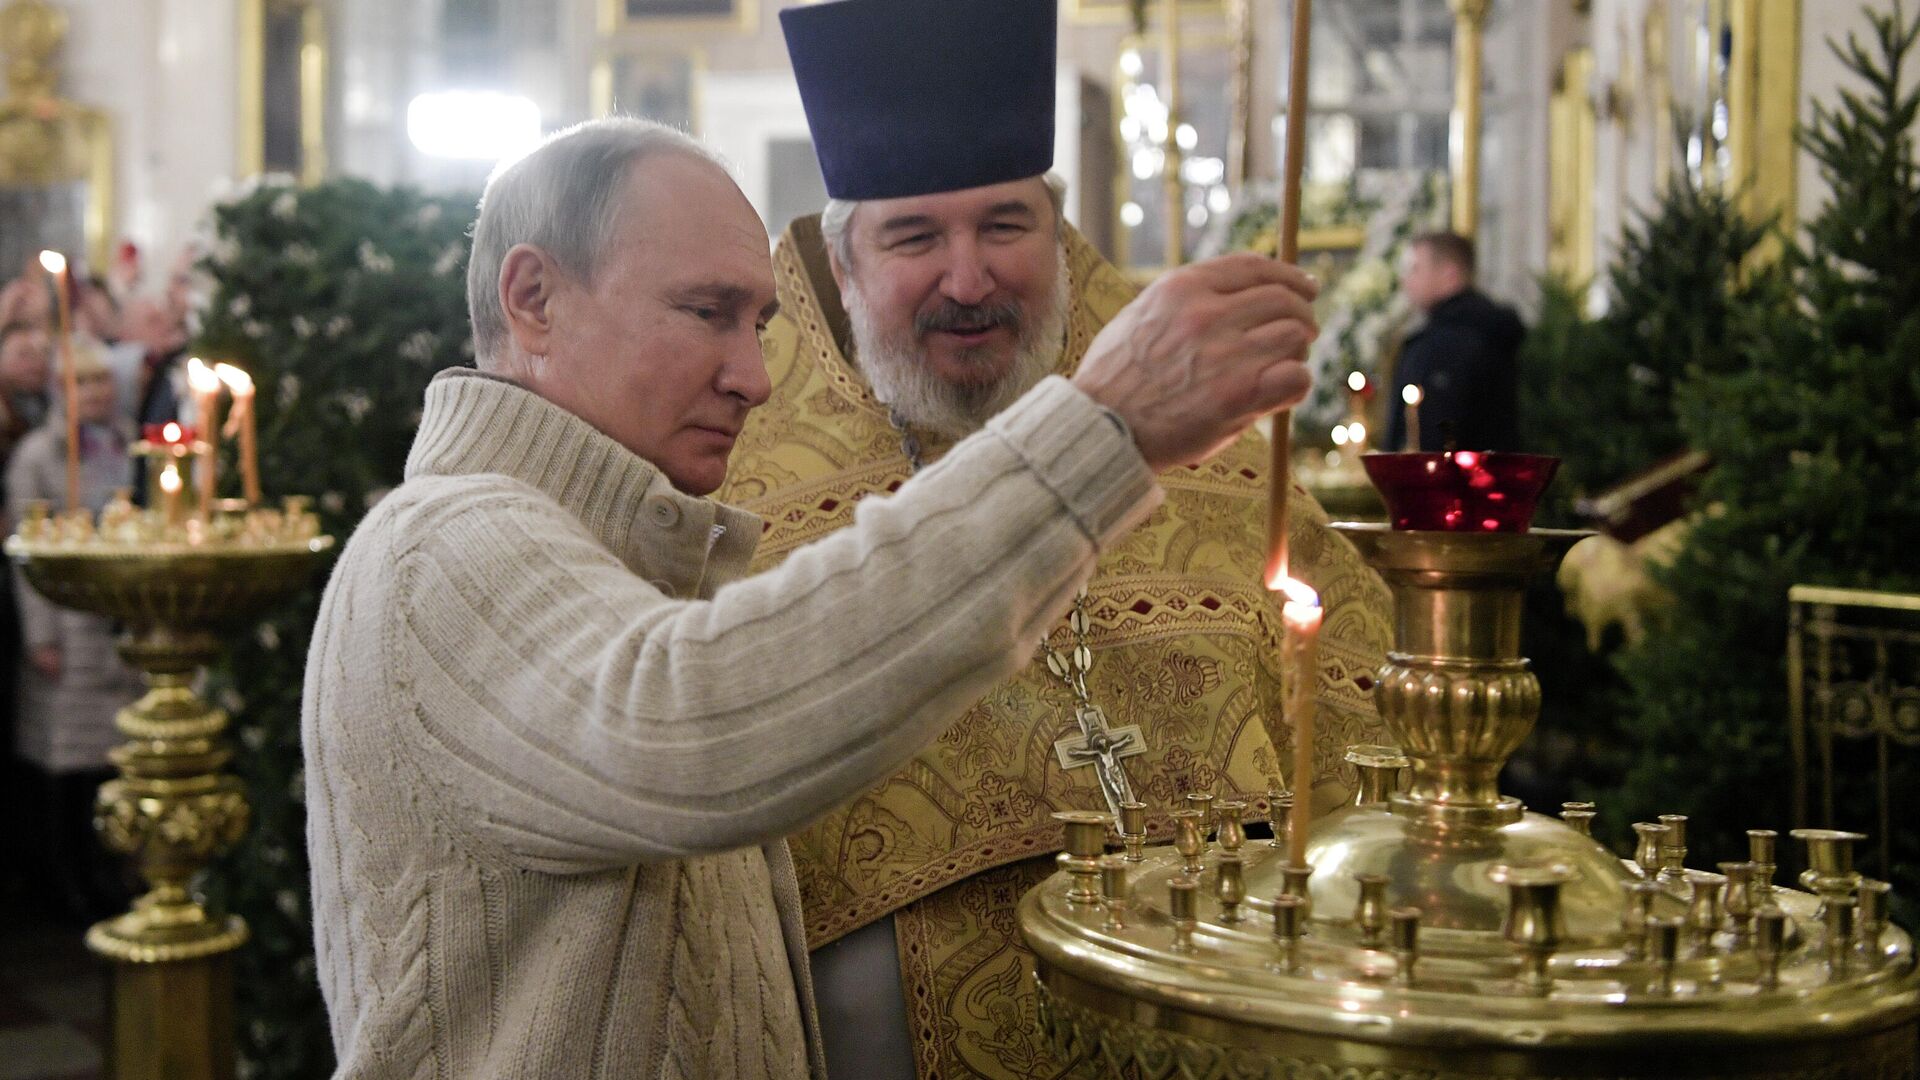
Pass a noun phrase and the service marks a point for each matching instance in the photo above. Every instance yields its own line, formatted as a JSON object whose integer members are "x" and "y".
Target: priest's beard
{"x": 895, "y": 364}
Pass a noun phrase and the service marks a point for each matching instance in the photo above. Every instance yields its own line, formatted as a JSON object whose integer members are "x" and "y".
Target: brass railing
{"x": 1853, "y": 674}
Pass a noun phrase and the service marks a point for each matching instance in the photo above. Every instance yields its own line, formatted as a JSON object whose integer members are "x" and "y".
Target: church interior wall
{"x": 166, "y": 71}
{"x": 1821, "y": 76}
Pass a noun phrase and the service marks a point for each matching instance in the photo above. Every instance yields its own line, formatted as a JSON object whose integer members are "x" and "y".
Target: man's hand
{"x": 1203, "y": 353}
{"x": 45, "y": 660}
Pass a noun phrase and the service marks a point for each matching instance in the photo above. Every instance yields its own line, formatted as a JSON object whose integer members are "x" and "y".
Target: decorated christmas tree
{"x": 342, "y": 300}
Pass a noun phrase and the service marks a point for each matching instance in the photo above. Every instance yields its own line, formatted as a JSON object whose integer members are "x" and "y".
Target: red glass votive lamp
{"x": 157, "y": 434}
{"x": 1462, "y": 490}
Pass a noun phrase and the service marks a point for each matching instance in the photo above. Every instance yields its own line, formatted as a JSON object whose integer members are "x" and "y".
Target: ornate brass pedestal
{"x": 173, "y": 808}
{"x": 1446, "y": 932}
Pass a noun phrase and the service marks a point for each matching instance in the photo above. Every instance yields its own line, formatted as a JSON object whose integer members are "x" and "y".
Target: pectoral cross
{"x": 1102, "y": 749}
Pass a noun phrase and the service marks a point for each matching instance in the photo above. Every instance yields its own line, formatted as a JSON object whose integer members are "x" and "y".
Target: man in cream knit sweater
{"x": 554, "y": 734}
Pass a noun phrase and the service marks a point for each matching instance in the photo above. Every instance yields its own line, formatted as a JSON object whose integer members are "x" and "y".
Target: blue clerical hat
{"x": 912, "y": 97}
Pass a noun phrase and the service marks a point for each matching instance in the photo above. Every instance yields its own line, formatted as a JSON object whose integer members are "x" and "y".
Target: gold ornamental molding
{"x": 46, "y": 140}
{"x": 1571, "y": 133}
{"x": 1763, "y": 103}
{"x": 1469, "y": 49}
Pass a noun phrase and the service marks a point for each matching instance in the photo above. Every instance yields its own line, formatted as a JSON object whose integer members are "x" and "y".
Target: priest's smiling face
{"x": 957, "y": 300}
{"x": 660, "y": 350}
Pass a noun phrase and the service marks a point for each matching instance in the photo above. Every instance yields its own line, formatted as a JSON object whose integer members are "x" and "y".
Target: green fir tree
{"x": 1816, "y": 440}
{"x": 342, "y": 301}
{"x": 1598, "y": 393}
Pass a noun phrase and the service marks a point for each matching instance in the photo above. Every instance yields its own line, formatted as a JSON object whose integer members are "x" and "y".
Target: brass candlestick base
{"x": 173, "y": 808}
{"x": 1521, "y": 947}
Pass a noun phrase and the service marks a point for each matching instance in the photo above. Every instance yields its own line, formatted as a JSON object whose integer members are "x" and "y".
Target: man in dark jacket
{"x": 1464, "y": 359}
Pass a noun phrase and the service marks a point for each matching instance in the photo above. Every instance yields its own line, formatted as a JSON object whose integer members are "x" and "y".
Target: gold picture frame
{"x": 659, "y": 84}
{"x": 275, "y": 36}
{"x": 654, "y": 16}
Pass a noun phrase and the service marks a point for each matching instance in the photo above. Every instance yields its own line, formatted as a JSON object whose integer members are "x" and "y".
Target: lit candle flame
{"x": 55, "y": 262}
{"x": 1301, "y": 612}
{"x": 1302, "y": 604}
{"x": 201, "y": 377}
{"x": 170, "y": 480}
{"x": 239, "y": 382}
{"x": 171, "y": 433}
{"x": 1412, "y": 395}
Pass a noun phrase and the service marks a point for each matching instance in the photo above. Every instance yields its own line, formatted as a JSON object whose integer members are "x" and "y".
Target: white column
{"x": 1513, "y": 164}
{"x": 165, "y": 72}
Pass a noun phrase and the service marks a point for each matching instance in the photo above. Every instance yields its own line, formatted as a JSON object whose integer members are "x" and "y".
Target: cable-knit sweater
{"x": 553, "y": 736}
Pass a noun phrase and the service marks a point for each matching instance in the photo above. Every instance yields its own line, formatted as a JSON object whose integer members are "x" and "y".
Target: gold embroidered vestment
{"x": 1186, "y": 644}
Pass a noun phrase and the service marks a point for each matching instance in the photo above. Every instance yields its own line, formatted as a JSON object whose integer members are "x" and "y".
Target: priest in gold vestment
{"x": 946, "y": 283}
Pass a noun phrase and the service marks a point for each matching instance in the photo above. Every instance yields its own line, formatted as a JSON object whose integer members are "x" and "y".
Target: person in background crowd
{"x": 1464, "y": 359}
{"x": 95, "y": 313}
{"x": 28, "y": 298}
{"x": 72, "y": 681}
{"x": 26, "y": 369}
{"x": 154, "y": 326}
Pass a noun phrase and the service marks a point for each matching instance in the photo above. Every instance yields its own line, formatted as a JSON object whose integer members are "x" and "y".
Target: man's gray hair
{"x": 839, "y": 214}
{"x": 564, "y": 199}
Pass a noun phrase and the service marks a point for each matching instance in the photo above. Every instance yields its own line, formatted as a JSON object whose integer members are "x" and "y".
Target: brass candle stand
{"x": 1441, "y": 931}
{"x": 172, "y": 585}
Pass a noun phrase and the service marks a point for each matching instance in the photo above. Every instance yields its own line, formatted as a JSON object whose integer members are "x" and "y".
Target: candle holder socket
{"x": 1113, "y": 890}
{"x": 1534, "y": 926}
{"x": 1289, "y": 922}
{"x": 1579, "y": 816}
{"x": 1370, "y": 910}
{"x": 1379, "y": 769}
{"x": 1870, "y": 919}
{"x": 1703, "y": 907}
{"x": 1737, "y": 900}
{"x": 1293, "y": 882}
{"x": 1203, "y": 802}
{"x": 1182, "y": 910}
{"x": 1634, "y": 917}
{"x": 1086, "y": 842}
{"x": 1673, "y": 850}
{"x": 1829, "y": 873}
{"x": 1279, "y": 816}
{"x": 1189, "y": 839}
{"x": 1406, "y": 942}
{"x": 1769, "y": 943}
{"x": 1762, "y": 845}
{"x": 1133, "y": 830}
{"x": 1649, "y": 839}
{"x": 1230, "y": 829}
{"x": 1663, "y": 941}
{"x": 1230, "y": 886}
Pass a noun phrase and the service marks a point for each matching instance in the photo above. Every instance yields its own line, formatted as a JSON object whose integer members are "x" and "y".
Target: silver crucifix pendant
{"x": 1102, "y": 749}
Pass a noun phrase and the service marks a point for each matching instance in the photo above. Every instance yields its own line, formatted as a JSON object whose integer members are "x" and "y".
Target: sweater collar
{"x": 476, "y": 423}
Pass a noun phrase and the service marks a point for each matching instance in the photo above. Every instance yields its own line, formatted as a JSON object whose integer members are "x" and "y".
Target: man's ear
{"x": 833, "y": 264}
{"x": 528, "y": 279}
